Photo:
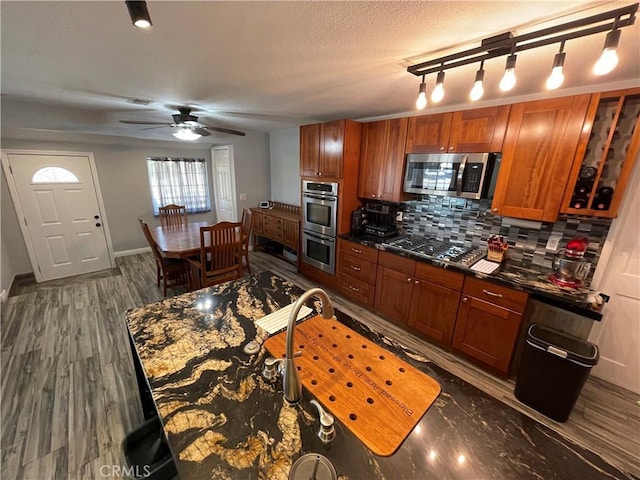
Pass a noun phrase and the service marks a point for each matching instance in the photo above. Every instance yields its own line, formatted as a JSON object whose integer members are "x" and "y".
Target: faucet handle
{"x": 272, "y": 367}
{"x": 327, "y": 431}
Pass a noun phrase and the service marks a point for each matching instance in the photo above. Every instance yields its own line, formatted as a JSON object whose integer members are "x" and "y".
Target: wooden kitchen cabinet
{"x": 539, "y": 147}
{"x": 488, "y": 323}
{"x": 434, "y": 302}
{"x": 291, "y": 234}
{"x": 382, "y": 159}
{"x": 325, "y": 147}
{"x": 280, "y": 224}
{"x": 357, "y": 268}
{"x": 468, "y": 131}
{"x": 605, "y": 156}
{"x": 394, "y": 286}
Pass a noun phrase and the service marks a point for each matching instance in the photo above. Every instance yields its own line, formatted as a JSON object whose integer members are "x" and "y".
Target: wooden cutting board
{"x": 375, "y": 394}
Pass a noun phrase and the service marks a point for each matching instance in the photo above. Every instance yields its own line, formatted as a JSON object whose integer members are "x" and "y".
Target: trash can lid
{"x": 576, "y": 348}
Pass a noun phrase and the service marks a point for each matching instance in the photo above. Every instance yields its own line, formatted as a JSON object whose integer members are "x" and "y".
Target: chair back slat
{"x": 173, "y": 215}
{"x": 220, "y": 252}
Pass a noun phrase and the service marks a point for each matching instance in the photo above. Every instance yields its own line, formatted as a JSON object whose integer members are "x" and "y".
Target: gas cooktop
{"x": 435, "y": 249}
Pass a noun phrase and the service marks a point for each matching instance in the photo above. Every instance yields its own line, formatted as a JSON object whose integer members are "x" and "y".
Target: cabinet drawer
{"x": 397, "y": 262}
{"x": 357, "y": 250}
{"x": 271, "y": 222}
{"x": 357, "y": 290}
{"x": 440, "y": 276}
{"x": 513, "y": 300}
{"x": 358, "y": 268}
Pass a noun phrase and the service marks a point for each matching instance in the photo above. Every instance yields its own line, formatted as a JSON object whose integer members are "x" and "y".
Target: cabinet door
{"x": 290, "y": 234}
{"x": 256, "y": 223}
{"x": 373, "y": 135}
{"x": 392, "y": 163}
{"x": 331, "y": 149}
{"x": 309, "y": 150}
{"x": 538, "y": 151}
{"x": 433, "y": 310}
{"x": 428, "y": 133}
{"x": 393, "y": 294}
{"x": 486, "y": 332}
{"x": 478, "y": 130}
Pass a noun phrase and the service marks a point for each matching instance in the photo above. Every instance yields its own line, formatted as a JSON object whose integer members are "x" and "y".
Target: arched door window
{"x": 54, "y": 175}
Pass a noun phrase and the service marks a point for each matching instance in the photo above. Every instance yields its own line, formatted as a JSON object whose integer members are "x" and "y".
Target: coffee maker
{"x": 358, "y": 221}
{"x": 381, "y": 219}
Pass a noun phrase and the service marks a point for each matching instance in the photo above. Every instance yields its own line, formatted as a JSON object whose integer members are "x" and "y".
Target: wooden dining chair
{"x": 246, "y": 234}
{"x": 220, "y": 253}
{"x": 173, "y": 215}
{"x": 173, "y": 272}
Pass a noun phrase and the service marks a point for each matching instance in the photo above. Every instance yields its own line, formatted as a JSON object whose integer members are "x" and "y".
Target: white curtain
{"x": 182, "y": 181}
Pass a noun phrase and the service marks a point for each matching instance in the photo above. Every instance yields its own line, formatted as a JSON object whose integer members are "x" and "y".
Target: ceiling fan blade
{"x": 201, "y": 131}
{"x": 154, "y": 127}
{"x": 226, "y": 130}
{"x": 132, "y": 122}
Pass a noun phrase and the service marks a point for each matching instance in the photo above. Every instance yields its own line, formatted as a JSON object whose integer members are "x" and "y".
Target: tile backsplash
{"x": 470, "y": 222}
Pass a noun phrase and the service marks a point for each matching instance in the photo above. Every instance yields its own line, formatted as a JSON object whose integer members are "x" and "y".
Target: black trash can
{"x": 147, "y": 453}
{"x": 553, "y": 370}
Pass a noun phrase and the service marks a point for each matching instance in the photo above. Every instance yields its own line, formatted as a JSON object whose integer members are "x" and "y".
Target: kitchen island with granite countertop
{"x": 224, "y": 420}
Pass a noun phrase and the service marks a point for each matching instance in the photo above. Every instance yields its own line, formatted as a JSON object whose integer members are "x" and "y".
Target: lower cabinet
{"x": 488, "y": 323}
{"x": 357, "y": 268}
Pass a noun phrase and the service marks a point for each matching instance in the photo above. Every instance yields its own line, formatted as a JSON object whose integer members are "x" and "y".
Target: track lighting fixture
{"x": 509, "y": 78}
{"x": 186, "y": 134}
{"x": 421, "y": 102}
{"x": 609, "y": 58}
{"x": 506, "y": 44}
{"x": 139, "y": 13}
{"x": 557, "y": 77}
{"x": 438, "y": 91}
{"x": 478, "y": 90}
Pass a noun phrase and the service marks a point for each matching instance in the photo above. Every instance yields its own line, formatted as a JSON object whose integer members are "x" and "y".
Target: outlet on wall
{"x": 243, "y": 196}
{"x": 552, "y": 243}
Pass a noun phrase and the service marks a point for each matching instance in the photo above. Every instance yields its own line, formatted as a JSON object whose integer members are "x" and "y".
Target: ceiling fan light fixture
{"x": 139, "y": 13}
{"x": 186, "y": 134}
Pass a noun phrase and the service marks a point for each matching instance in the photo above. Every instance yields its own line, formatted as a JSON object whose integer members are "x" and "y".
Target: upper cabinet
{"x": 382, "y": 159}
{"x": 325, "y": 147}
{"x": 606, "y": 155}
{"x": 539, "y": 147}
{"x": 477, "y": 130}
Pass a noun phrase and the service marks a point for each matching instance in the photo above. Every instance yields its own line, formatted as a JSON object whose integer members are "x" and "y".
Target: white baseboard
{"x": 134, "y": 251}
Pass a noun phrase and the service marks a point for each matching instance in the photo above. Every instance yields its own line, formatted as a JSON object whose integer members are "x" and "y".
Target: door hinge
{"x": 25, "y": 221}
{"x": 11, "y": 169}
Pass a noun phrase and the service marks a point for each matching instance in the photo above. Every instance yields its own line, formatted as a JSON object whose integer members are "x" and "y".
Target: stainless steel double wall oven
{"x": 319, "y": 224}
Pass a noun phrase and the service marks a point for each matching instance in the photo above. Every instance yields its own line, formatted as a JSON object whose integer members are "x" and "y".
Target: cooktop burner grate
{"x": 432, "y": 248}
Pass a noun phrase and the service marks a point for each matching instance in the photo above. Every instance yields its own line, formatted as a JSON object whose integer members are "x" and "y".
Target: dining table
{"x": 181, "y": 241}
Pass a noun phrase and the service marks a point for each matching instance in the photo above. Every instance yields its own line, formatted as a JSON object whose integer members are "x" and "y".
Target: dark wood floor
{"x": 69, "y": 394}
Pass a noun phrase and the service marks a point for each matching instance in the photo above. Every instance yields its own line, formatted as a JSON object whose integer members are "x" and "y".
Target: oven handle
{"x": 320, "y": 237}
{"x": 461, "y": 174}
{"x": 318, "y": 197}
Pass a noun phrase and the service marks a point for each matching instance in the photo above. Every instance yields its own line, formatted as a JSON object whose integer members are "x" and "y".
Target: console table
{"x": 280, "y": 223}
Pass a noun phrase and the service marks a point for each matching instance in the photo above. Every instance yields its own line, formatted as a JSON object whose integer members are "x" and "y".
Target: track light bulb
{"x": 557, "y": 77}
{"x": 509, "y": 79}
{"x": 438, "y": 91}
{"x": 186, "y": 134}
{"x": 609, "y": 58}
{"x": 478, "y": 90}
{"x": 421, "y": 102}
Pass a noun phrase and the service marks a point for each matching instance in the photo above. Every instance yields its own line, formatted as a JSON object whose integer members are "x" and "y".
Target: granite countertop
{"x": 223, "y": 420}
{"x": 533, "y": 280}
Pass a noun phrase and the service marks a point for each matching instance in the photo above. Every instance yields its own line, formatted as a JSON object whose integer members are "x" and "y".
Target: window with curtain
{"x": 182, "y": 181}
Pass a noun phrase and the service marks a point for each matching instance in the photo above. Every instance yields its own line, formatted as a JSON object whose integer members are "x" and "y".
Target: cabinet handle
{"x": 442, "y": 149}
{"x": 498, "y": 295}
{"x": 465, "y": 299}
{"x": 451, "y": 148}
{"x": 357, "y": 269}
{"x": 356, "y": 250}
{"x": 409, "y": 279}
{"x": 417, "y": 282}
{"x": 319, "y": 174}
{"x": 354, "y": 288}
{"x": 495, "y": 210}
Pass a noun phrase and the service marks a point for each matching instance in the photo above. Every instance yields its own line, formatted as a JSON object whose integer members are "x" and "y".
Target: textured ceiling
{"x": 70, "y": 66}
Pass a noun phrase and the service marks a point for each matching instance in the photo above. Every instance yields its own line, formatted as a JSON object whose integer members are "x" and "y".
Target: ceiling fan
{"x": 189, "y": 128}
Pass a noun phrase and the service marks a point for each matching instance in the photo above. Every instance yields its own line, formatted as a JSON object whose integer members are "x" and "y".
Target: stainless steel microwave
{"x": 465, "y": 175}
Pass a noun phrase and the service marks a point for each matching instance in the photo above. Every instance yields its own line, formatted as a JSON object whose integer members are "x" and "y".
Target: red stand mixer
{"x": 569, "y": 264}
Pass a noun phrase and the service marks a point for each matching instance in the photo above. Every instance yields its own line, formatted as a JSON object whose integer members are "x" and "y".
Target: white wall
{"x": 14, "y": 259}
{"x": 284, "y": 148}
{"x": 122, "y": 173}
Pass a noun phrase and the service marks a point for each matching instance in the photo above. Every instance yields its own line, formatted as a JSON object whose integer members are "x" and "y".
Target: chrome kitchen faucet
{"x": 292, "y": 385}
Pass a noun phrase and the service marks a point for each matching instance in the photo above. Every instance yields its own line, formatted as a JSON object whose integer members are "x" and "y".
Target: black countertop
{"x": 223, "y": 420}
{"x": 533, "y": 280}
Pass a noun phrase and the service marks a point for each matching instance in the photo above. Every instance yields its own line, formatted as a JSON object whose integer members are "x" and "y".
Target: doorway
{"x": 224, "y": 183}
{"x": 60, "y": 210}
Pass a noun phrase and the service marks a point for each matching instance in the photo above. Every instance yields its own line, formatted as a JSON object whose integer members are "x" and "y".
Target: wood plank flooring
{"x": 69, "y": 394}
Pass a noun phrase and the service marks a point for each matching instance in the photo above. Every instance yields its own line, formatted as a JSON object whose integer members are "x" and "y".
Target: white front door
{"x": 62, "y": 222}
{"x": 618, "y": 335}
{"x": 224, "y": 184}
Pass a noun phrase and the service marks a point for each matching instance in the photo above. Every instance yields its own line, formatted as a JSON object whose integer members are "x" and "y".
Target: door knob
{"x": 96, "y": 216}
